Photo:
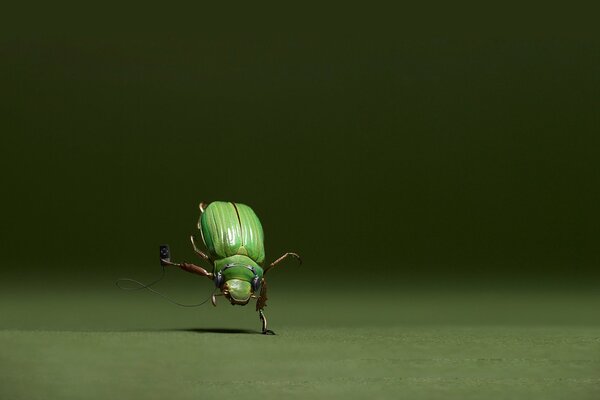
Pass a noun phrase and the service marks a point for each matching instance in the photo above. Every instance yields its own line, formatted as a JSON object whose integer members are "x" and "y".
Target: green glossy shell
{"x": 230, "y": 229}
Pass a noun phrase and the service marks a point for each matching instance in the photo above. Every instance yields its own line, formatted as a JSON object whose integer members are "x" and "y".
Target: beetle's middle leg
{"x": 198, "y": 251}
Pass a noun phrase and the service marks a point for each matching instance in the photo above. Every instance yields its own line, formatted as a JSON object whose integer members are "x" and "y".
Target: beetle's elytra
{"x": 234, "y": 239}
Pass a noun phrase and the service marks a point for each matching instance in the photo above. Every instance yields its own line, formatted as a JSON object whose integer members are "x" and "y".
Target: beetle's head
{"x": 237, "y": 291}
{"x": 238, "y": 282}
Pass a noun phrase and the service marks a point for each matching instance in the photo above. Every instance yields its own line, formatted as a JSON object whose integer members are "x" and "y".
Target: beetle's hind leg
{"x": 263, "y": 319}
{"x": 283, "y": 257}
{"x": 202, "y": 206}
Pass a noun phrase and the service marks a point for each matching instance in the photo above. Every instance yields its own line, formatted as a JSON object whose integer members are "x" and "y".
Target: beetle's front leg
{"x": 194, "y": 269}
{"x": 263, "y": 319}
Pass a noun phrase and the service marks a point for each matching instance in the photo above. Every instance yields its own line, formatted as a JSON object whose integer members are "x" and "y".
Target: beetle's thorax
{"x": 236, "y": 260}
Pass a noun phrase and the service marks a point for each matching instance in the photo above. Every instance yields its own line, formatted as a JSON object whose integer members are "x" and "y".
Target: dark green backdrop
{"x": 442, "y": 150}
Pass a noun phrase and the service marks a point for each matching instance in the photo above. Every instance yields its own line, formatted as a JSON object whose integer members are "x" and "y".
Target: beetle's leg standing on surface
{"x": 194, "y": 269}
{"x": 261, "y": 303}
{"x": 262, "y": 317}
{"x": 283, "y": 257}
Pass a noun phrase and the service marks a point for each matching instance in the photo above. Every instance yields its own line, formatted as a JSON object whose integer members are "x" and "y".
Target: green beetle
{"x": 234, "y": 238}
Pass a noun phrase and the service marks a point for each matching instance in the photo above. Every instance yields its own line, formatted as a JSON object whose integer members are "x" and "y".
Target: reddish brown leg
{"x": 194, "y": 269}
{"x": 261, "y": 301}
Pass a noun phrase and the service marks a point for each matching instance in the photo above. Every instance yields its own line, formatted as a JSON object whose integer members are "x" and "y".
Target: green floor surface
{"x": 429, "y": 345}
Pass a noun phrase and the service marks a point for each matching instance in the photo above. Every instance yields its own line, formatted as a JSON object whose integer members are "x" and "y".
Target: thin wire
{"x": 148, "y": 287}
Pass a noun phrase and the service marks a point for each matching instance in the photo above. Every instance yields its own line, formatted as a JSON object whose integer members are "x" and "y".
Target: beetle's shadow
{"x": 216, "y": 330}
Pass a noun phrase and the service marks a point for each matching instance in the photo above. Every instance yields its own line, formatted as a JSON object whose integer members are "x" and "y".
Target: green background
{"x": 437, "y": 170}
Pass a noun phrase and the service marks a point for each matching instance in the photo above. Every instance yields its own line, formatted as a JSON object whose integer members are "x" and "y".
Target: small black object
{"x": 256, "y": 280}
{"x": 165, "y": 253}
{"x": 218, "y": 279}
